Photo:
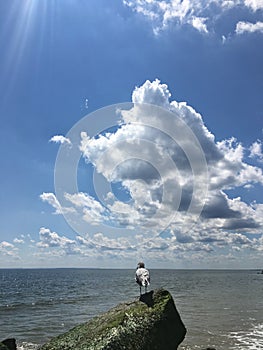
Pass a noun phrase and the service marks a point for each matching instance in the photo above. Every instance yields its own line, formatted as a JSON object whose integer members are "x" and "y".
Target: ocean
{"x": 220, "y": 308}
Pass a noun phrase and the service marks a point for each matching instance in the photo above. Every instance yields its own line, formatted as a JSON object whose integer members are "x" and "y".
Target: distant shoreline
{"x": 128, "y": 268}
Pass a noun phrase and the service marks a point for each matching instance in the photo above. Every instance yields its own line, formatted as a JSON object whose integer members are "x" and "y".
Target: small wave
{"x": 44, "y": 302}
{"x": 27, "y": 346}
{"x": 250, "y": 340}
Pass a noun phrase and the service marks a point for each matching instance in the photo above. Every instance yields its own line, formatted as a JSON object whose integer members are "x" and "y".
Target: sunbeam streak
{"x": 28, "y": 24}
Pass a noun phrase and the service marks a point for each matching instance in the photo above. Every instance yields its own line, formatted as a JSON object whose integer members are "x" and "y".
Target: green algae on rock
{"x": 151, "y": 323}
{"x": 3, "y": 347}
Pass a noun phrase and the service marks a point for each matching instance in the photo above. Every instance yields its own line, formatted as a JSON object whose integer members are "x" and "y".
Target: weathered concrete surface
{"x": 129, "y": 326}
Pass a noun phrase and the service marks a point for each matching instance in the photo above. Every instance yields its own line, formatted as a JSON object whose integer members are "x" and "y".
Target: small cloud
{"x": 8, "y": 249}
{"x": 18, "y": 241}
{"x": 248, "y": 186}
{"x": 254, "y": 4}
{"x": 243, "y": 27}
{"x": 60, "y": 139}
{"x": 5, "y": 245}
{"x": 52, "y": 200}
{"x": 199, "y": 24}
{"x": 93, "y": 211}
{"x": 256, "y": 150}
{"x": 85, "y": 104}
{"x": 49, "y": 239}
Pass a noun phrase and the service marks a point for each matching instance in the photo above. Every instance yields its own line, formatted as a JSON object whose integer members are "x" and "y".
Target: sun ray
{"x": 26, "y": 28}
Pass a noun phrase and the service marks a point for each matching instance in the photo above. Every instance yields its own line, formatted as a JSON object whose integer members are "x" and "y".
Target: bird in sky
{"x": 142, "y": 277}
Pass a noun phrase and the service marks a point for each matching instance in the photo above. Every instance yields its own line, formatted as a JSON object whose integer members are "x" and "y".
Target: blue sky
{"x": 61, "y": 61}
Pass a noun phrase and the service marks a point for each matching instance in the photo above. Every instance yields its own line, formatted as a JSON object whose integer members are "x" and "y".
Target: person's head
{"x": 140, "y": 265}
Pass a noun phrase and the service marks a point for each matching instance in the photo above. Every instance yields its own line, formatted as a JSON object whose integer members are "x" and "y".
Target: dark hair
{"x": 141, "y": 264}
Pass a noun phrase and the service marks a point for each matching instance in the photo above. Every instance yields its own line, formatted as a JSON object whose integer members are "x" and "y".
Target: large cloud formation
{"x": 202, "y": 15}
{"x": 176, "y": 179}
{"x": 149, "y": 171}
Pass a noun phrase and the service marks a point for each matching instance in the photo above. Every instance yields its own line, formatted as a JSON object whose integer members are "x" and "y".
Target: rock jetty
{"x": 151, "y": 323}
{"x": 8, "y": 344}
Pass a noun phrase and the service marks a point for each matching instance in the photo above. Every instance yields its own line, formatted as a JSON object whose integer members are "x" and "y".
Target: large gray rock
{"x": 8, "y": 344}
{"x": 151, "y": 323}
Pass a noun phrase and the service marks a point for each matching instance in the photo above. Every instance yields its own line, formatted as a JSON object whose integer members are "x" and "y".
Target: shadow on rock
{"x": 147, "y": 298}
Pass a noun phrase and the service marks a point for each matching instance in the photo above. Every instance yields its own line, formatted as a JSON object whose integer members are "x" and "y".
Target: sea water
{"x": 220, "y": 308}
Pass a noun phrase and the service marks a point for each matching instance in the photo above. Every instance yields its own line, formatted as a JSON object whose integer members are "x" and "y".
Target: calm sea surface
{"x": 221, "y": 309}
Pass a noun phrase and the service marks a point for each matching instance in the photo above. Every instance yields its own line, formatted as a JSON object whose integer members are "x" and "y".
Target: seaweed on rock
{"x": 148, "y": 324}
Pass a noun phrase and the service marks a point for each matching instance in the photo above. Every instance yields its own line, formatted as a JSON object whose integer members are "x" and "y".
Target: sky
{"x": 131, "y": 130}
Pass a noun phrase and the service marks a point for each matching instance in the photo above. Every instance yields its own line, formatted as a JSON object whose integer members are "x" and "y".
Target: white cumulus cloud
{"x": 18, "y": 240}
{"x": 157, "y": 170}
{"x": 51, "y": 199}
{"x": 49, "y": 239}
{"x": 201, "y": 15}
{"x": 247, "y": 27}
{"x": 177, "y": 178}
{"x": 60, "y": 139}
{"x": 199, "y": 24}
{"x": 8, "y": 249}
{"x": 256, "y": 150}
{"x": 254, "y": 4}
